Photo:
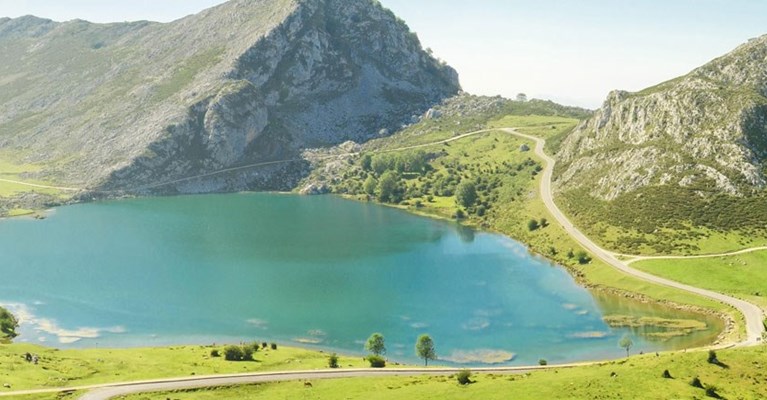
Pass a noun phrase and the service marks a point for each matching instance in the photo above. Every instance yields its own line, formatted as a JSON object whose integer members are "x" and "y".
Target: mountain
{"x": 124, "y": 105}
{"x": 705, "y": 131}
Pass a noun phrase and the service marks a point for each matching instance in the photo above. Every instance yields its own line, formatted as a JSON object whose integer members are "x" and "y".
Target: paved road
{"x": 110, "y": 390}
{"x": 752, "y": 313}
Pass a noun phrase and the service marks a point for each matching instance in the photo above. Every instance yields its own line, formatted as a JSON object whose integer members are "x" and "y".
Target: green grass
{"x": 742, "y": 275}
{"x": 639, "y": 377}
{"x": 66, "y": 368}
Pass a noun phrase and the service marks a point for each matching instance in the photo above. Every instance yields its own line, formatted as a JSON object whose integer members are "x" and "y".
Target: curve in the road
{"x": 752, "y": 314}
{"x": 35, "y": 185}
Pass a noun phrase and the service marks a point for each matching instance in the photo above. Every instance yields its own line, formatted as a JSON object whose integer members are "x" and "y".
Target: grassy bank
{"x": 741, "y": 376}
{"x": 67, "y": 368}
{"x": 743, "y": 275}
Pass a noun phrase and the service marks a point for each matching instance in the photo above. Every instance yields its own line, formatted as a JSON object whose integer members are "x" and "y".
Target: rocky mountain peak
{"x": 706, "y": 130}
{"x": 126, "y": 106}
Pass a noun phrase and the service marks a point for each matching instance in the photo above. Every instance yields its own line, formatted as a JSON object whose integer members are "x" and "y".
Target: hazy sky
{"x": 571, "y": 51}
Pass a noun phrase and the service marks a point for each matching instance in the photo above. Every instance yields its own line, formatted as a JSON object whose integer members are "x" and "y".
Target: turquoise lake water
{"x": 316, "y": 271}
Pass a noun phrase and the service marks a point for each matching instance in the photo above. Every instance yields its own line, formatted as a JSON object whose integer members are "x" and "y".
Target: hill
{"x": 120, "y": 106}
{"x": 688, "y": 154}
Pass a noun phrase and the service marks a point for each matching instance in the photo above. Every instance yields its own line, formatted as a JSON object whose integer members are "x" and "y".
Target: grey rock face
{"x": 127, "y": 106}
{"x": 706, "y": 128}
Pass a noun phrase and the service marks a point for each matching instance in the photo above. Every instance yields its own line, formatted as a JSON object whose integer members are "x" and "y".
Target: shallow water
{"x": 318, "y": 271}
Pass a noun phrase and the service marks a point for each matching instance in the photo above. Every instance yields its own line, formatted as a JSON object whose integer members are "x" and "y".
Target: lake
{"x": 312, "y": 271}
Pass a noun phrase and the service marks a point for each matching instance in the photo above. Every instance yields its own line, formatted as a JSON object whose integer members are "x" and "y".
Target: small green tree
{"x": 466, "y": 194}
{"x": 376, "y": 344}
{"x": 544, "y": 222}
{"x": 387, "y": 187}
{"x": 376, "y": 361}
{"x": 626, "y": 343}
{"x": 424, "y": 348}
{"x": 333, "y": 360}
{"x": 583, "y": 257}
{"x": 464, "y": 377}
{"x": 370, "y": 185}
{"x": 366, "y": 161}
{"x": 532, "y": 225}
{"x": 233, "y": 353}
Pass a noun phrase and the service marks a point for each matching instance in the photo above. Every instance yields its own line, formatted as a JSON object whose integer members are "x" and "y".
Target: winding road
{"x": 753, "y": 315}
{"x": 633, "y": 258}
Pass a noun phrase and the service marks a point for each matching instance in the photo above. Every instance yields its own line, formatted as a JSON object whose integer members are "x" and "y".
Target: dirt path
{"x": 633, "y": 258}
{"x": 65, "y": 189}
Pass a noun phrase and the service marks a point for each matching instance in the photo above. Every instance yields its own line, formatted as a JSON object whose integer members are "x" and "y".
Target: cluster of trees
{"x": 534, "y": 224}
{"x": 376, "y": 346}
{"x": 242, "y": 352}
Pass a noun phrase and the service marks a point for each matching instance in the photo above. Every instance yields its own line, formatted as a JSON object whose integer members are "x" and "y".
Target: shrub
{"x": 264, "y": 345}
{"x": 464, "y": 377}
{"x": 333, "y": 360}
{"x": 583, "y": 258}
{"x": 667, "y": 375}
{"x": 712, "y": 357}
{"x": 696, "y": 383}
{"x": 376, "y": 361}
{"x": 711, "y": 392}
{"x": 247, "y": 353}
{"x": 274, "y": 346}
{"x": 532, "y": 225}
{"x": 543, "y": 361}
{"x": 459, "y": 214}
{"x": 215, "y": 353}
{"x": 233, "y": 353}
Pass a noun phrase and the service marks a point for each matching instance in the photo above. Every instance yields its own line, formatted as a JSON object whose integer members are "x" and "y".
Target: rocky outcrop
{"x": 124, "y": 107}
{"x": 705, "y": 130}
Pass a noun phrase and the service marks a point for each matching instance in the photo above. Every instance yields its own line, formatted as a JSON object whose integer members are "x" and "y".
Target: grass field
{"x": 743, "y": 275}
{"x": 66, "y": 368}
{"x": 639, "y": 377}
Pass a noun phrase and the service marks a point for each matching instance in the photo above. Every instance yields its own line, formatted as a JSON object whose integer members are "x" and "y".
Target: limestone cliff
{"x": 706, "y": 130}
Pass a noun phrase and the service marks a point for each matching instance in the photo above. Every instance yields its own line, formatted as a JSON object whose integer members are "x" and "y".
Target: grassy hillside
{"x": 743, "y": 276}
{"x": 639, "y": 377}
{"x": 64, "y": 368}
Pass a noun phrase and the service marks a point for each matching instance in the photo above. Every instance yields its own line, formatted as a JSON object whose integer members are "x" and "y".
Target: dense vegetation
{"x": 8, "y": 325}
{"x": 667, "y": 219}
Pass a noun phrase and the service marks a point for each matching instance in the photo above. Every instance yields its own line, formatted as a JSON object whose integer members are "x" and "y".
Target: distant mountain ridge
{"x": 705, "y": 131}
{"x": 118, "y": 106}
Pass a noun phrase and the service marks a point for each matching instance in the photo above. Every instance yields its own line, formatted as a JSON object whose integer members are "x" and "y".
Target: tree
{"x": 376, "y": 344}
{"x": 424, "y": 348}
{"x": 233, "y": 353}
{"x": 333, "y": 360}
{"x": 466, "y": 194}
{"x": 544, "y": 222}
{"x": 626, "y": 343}
{"x": 387, "y": 187}
{"x": 366, "y": 162}
{"x": 583, "y": 257}
{"x": 522, "y": 97}
{"x": 370, "y": 185}
{"x": 532, "y": 225}
{"x": 464, "y": 377}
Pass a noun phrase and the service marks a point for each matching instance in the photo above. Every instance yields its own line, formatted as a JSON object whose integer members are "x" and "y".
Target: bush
{"x": 583, "y": 258}
{"x": 233, "y": 353}
{"x": 459, "y": 214}
{"x": 274, "y": 346}
{"x": 532, "y": 225}
{"x": 333, "y": 360}
{"x": 264, "y": 345}
{"x": 667, "y": 375}
{"x": 215, "y": 353}
{"x": 464, "y": 377}
{"x": 376, "y": 361}
{"x": 696, "y": 383}
{"x": 711, "y": 392}
{"x": 712, "y": 357}
{"x": 247, "y": 353}
{"x": 543, "y": 361}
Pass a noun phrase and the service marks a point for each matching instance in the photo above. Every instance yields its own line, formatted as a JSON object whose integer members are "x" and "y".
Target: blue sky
{"x": 569, "y": 51}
